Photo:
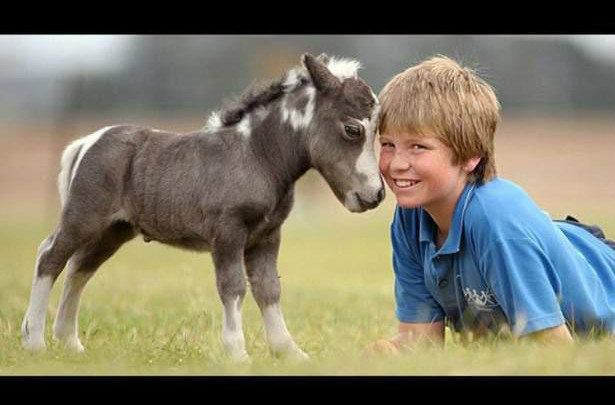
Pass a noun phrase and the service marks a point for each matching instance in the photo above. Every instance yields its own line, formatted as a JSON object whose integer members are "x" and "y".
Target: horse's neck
{"x": 282, "y": 151}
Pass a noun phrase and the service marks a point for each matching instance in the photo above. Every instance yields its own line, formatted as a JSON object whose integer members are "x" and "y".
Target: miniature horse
{"x": 226, "y": 189}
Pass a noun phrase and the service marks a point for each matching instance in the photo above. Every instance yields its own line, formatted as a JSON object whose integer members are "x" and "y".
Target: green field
{"x": 154, "y": 310}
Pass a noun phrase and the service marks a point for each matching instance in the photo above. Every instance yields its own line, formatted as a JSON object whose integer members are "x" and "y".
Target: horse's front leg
{"x": 261, "y": 267}
{"x": 227, "y": 254}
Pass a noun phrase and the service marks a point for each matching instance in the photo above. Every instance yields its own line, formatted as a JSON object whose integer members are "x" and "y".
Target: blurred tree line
{"x": 195, "y": 74}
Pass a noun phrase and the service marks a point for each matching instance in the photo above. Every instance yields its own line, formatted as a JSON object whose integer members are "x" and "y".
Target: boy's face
{"x": 419, "y": 171}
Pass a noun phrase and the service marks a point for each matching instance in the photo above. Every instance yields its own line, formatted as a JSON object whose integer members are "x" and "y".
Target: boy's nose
{"x": 398, "y": 163}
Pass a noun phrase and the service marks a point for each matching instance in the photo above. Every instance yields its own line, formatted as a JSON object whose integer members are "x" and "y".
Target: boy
{"x": 470, "y": 248}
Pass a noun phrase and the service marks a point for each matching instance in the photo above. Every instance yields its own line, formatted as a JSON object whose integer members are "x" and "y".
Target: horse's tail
{"x": 71, "y": 157}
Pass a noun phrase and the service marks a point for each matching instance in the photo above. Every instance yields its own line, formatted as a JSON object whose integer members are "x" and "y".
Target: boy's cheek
{"x": 383, "y": 164}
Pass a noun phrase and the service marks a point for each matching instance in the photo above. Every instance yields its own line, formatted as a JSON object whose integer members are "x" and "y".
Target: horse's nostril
{"x": 369, "y": 204}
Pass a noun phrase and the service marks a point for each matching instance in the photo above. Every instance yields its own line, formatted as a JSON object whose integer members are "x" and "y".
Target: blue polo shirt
{"x": 504, "y": 262}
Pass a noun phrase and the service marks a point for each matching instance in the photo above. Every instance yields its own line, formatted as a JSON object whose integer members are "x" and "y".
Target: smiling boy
{"x": 469, "y": 248}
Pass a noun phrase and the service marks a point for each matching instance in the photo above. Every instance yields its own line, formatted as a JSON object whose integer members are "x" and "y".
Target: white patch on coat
{"x": 293, "y": 77}
{"x": 344, "y": 68}
{"x": 214, "y": 122}
{"x": 244, "y": 127}
{"x": 300, "y": 119}
{"x": 66, "y": 177}
{"x": 120, "y": 215}
{"x": 261, "y": 113}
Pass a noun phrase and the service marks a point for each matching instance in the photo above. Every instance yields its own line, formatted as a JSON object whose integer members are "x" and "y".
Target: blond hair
{"x": 440, "y": 97}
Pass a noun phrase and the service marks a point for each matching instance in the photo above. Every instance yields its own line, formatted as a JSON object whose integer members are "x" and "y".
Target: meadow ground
{"x": 154, "y": 310}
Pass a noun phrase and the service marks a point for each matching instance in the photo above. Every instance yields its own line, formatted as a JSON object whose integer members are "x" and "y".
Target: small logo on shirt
{"x": 482, "y": 300}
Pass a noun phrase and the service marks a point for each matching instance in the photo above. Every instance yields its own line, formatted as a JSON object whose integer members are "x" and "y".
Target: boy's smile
{"x": 419, "y": 171}
{"x": 402, "y": 183}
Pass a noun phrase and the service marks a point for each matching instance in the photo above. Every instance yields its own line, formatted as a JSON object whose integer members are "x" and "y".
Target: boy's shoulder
{"x": 499, "y": 189}
{"x": 502, "y": 206}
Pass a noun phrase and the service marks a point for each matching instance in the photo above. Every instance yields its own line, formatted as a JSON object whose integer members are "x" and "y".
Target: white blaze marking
{"x": 213, "y": 122}
{"x": 367, "y": 163}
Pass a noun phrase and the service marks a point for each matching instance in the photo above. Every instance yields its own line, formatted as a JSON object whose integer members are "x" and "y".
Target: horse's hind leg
{"x": 81, "y": 267}
{"x": 51, "y": 258}
{"x": 72, "y": 233}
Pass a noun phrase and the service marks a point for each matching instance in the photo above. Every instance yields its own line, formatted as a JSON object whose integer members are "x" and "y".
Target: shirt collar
{"x": 427, "y": 232}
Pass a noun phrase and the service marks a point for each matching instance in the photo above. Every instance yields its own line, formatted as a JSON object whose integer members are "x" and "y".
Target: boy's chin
{"x": 407, "y": 203}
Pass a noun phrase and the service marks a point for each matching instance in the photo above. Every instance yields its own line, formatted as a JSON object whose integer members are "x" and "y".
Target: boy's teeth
{"x": 405, "y": 183}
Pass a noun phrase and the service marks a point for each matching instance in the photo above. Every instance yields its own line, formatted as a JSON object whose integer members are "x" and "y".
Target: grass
{"x": 154, "y": 310}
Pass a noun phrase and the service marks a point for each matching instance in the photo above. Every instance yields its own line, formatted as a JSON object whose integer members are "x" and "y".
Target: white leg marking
{"x": 232, "y": 332}
{"x": 278, "y": 337}
{"x": 33, "y": 326}
{"x": 65, "y": 328}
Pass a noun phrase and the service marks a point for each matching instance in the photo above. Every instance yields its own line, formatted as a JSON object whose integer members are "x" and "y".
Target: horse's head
{"x": 341, "y": 143}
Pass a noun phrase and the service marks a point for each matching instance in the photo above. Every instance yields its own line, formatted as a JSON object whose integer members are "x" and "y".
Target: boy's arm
{"x": 409, "y": 334}
{"x": 556, "y": 334}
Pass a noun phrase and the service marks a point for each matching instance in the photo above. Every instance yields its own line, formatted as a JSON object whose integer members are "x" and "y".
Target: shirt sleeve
{"x": 525, "y": 284}
{"x": 414, "y": 303}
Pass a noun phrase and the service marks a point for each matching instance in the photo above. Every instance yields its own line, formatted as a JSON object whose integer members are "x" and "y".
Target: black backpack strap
{"x": 593, "y": 229}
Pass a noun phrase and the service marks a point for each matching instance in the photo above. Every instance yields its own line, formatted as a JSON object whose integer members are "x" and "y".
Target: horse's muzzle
{"x": 368, "y": 204}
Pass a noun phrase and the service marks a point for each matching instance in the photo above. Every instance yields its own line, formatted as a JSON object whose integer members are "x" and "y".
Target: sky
{"x": 65, "y": 53}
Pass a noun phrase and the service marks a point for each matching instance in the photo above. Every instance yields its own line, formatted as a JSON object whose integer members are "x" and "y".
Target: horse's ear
{"x": 321, "y": 76}
{"x": 324, "y": 58}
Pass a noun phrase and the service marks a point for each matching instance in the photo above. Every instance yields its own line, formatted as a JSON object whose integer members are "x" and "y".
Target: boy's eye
{"x": 416, "y": 146}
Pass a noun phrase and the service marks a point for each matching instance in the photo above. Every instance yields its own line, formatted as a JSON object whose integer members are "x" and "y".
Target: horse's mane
{"x": 262, "y": 93}
{"x": 258, "y": 94}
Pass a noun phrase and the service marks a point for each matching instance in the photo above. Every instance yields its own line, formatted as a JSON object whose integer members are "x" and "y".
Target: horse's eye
{"x": 352, "y": 131}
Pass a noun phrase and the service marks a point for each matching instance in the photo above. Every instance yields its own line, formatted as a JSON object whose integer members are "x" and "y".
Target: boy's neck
{"x": 442, "y": 213}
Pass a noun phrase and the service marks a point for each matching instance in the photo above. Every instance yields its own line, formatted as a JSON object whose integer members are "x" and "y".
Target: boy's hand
{"x": 382, "y": 347}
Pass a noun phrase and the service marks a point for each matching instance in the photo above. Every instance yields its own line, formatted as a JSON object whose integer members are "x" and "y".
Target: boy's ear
{"x": 322, "y": 78}
{"x": 471, "y": 164}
